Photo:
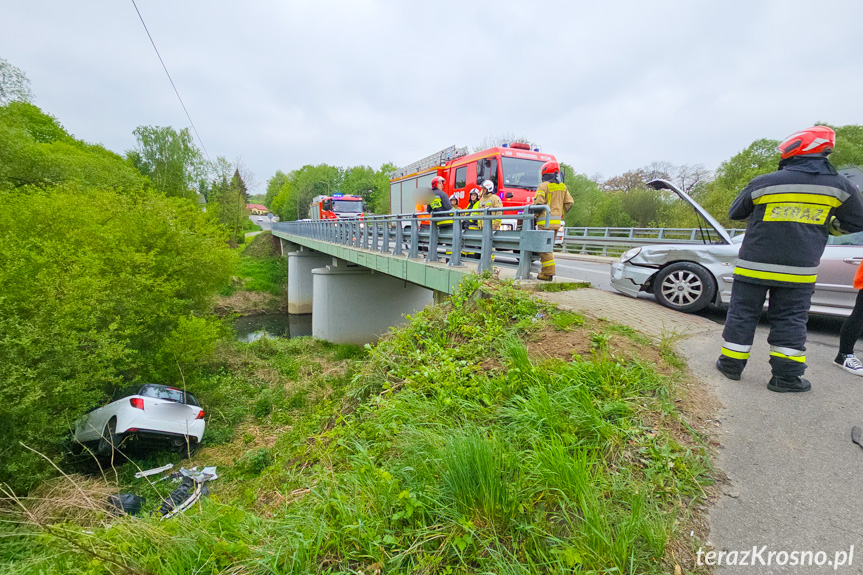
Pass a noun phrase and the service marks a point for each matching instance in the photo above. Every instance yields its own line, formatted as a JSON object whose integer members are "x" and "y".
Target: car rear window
{"x": 169, "y": 393}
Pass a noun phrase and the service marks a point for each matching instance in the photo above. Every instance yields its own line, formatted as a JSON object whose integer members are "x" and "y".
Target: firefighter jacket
{"x": 471, "y": 205}
{"x": 555, "y": 196}
{"x": 440, "y": 203}
{"x": 490, "y": 201}
{"x": 791, "y": 212}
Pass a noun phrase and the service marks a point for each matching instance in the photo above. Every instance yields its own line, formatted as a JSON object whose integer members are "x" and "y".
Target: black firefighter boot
{"x": 788, "y": 384}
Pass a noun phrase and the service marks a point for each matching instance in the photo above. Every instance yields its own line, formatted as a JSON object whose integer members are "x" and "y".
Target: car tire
{"x": 110, "y": 439}
{"x": 684, "y": 286}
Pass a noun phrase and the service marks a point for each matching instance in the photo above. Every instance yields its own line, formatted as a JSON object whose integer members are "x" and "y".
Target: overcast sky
{"x": 604, "y": 85}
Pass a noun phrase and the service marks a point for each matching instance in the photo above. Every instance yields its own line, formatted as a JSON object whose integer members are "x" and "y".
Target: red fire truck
{"x": 514, "y": 169}
{"x": 336, "y": 207}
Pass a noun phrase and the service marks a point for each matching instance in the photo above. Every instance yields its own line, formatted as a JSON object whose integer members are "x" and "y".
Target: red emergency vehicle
{"x": 514, "y": 169}
{"x": 336, "y": 207}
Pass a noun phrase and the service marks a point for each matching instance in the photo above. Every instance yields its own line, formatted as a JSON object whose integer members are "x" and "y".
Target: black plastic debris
{"x": 125, "y": 503}
{"x": 857, "y": 435}
{"x": 177, "y": 496}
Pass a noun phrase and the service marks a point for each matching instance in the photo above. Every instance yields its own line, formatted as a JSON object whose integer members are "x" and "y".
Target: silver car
{"x": 689, "y": 277}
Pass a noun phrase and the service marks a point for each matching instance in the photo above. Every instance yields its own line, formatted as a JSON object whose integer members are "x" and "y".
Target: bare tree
{"x": 502, "y": 138}
{"x": 688, "y": 177}
{"x": 14, "y": 85}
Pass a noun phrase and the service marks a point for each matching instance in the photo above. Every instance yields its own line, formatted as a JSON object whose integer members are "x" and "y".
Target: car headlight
{"x": 629, "y": 254}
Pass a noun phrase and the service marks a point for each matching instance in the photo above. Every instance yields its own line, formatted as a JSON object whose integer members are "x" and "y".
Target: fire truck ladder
{"x": 432, "y": 161}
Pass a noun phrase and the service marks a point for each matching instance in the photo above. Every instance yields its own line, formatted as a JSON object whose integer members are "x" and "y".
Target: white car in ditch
{"x": 145, "y": 414}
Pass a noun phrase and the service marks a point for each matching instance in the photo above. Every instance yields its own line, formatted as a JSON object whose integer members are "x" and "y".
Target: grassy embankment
{"x": 491, "y": 434}
{"x": 259, "y": 283}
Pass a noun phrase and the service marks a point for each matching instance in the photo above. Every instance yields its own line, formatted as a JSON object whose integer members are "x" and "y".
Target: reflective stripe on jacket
{"x": 790, "y": 213}
{"x": 490, "y": 201}
{"x": 440, "y": 203}
{"x": 557, "y": 197}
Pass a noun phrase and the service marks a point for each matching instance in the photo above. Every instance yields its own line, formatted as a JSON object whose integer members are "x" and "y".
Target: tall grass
{"x": 423, "y": 457}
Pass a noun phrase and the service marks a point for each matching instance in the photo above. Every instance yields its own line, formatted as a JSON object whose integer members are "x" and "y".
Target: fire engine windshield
{"x": 348, "y": 206}
{"x": 521, "y": 173}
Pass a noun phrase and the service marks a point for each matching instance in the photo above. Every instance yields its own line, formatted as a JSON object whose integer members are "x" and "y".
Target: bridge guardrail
{"x": 615, "y": 241}
{"x": 410, "y": 235}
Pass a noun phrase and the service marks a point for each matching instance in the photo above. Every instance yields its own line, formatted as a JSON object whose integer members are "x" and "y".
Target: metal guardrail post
{"x": 399, "y": 239}
{"x": 525, "y": 257}
{"x": 374, "y": 245}
{"x": 385, "y": 233}
{"x": 486, "y": 247}
{"x": 431, "y": 256}
{"x": 414, "y": 248}
{"x": 365, "y": 229}
{"x": 455, "y": 259}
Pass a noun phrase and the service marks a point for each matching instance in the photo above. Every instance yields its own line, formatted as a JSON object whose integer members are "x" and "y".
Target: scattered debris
{"x": 154, "y": 471}
{"x": 189, "y": 491}
{"x": 125, "y": 504}
{"x": 857, "y": 435}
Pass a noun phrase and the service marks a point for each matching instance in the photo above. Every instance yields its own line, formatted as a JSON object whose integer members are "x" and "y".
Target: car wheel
{"x": 110, "y": 439}
{"x": 685, "y": 287}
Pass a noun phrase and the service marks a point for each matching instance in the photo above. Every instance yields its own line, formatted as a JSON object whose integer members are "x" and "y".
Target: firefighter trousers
{"x": 787, "y": 313}
{"x": 547, "y": 259}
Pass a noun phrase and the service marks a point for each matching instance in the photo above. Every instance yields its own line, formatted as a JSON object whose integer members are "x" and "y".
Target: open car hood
{"x": 659, "y": 184}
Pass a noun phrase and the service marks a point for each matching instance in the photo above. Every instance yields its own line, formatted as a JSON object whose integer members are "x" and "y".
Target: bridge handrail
{"x": 600, "y": 241}
{"x": 408, "y": 234}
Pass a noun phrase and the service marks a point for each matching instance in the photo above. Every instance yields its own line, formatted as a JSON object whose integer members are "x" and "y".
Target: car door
{"x": 836, "y": 272}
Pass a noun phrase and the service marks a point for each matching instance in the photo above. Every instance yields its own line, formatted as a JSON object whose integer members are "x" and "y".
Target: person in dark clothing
{"x": 439, "y": 202}
{"x": 790, "y": 214}
{"x": 473, "y": 200}
{"x": 851, "y": 330}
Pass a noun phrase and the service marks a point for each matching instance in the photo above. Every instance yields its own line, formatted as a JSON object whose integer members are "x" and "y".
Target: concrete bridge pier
{"x": 358, "y": 305}
{"x": 300, "y": 265}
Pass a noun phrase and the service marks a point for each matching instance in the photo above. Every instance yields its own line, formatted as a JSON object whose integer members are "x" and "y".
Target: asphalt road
{"x": 793, "y": 469}
{"x": 823, "y": 330}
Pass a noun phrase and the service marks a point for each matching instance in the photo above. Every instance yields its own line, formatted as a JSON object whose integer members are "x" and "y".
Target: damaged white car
{"x": 689, "y": 277}
{"x": 145, "y": 414}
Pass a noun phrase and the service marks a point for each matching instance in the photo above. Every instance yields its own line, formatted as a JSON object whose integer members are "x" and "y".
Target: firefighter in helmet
{"x": 439, "y": 202}
{"x": 489, "y": 200}
{"x": 553, "y": 193}
{"x": 790, "y": 213}
{"x": 473, "y": 200}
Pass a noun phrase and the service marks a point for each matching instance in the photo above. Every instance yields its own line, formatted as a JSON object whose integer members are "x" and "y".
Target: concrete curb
{"x": 584, "y": 258}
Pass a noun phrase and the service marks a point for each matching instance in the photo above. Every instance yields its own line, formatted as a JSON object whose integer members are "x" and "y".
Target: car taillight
{"x": 137, "y": 402}
{"x": 200, "y": 414}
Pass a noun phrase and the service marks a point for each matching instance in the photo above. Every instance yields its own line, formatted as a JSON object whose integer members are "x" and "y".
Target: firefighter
{"x": 553, "y": 193}
{"x": 439, "y": 202}
{"x": 473, "y": 200}
{"x": 489, "y": 200}
{"x": 790, "y": 212}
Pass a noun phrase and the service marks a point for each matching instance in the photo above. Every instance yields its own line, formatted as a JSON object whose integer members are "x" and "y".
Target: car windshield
{"x": 169, "y": 393}
{"x": 520, "y": 173}
{"x": 347, "y": 206}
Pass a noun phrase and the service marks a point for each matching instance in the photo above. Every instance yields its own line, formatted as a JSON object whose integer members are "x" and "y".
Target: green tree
{"x": 274, "y": 186}
{"x": 35, "y": 150}
{"x": 14, "y": 84}
{"x": 227, "y": 204}
{"x": 170, "y": 158}
{"x": 96, "y": 284}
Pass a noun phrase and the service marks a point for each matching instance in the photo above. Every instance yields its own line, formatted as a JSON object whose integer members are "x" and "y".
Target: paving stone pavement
{"x": 645, "y": 316}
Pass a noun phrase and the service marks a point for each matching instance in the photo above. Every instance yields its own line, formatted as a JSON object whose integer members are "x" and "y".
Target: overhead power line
{"x": 177, "y": 92}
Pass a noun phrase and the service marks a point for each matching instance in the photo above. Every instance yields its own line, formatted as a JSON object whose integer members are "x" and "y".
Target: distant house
{"x": 258, "y": 209}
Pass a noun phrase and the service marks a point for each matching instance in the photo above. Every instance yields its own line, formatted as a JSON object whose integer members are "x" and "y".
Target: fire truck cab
{"x": 514, "y": 169}
{"x": 335, "y": 207}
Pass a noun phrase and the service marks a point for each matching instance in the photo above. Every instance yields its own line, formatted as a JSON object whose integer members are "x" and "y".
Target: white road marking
{"x": 603, "y": 272}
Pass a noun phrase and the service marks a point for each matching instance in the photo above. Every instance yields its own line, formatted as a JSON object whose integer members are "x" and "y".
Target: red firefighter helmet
{"x": 550, "y": 168}
{"x": 815, "y": 140}
{"x": 437, "y": 180}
